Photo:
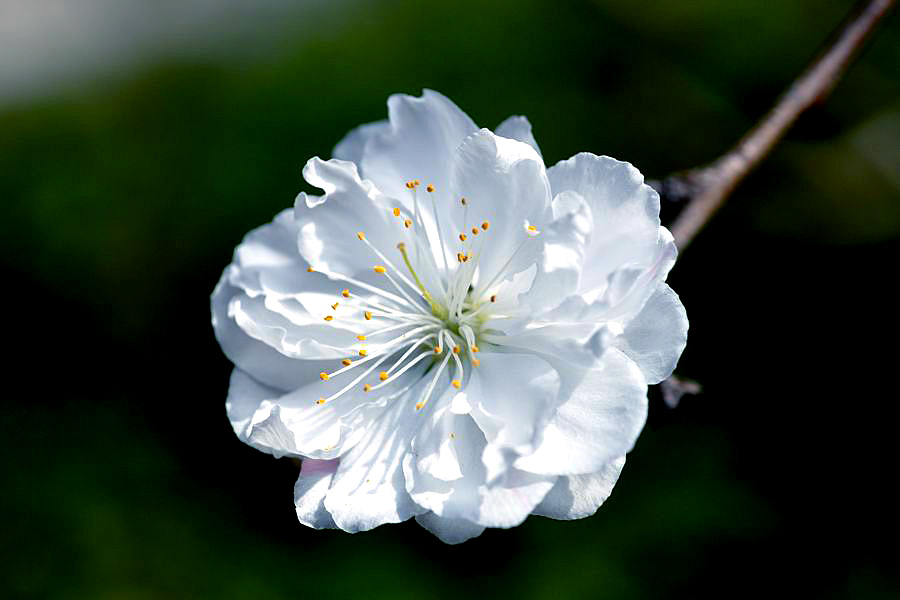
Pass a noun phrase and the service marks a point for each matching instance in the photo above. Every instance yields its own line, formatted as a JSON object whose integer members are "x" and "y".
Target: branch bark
{"x": 704, "y": 190}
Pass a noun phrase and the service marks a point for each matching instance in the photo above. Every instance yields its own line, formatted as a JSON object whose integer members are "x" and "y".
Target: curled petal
{"x": 656, "y": 337}
{"x": 597, "y": 424}
{"x": 624, "y": 209}
{"x": 579, "y": 496}
{"x": 419, "y": 144}
{"x": 309, "y": 493}
{"x": 518, "y": 128}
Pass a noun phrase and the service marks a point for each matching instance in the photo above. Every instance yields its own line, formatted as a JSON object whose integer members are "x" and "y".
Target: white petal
{"x": 434, "y": 446}
{"x": 505, "y": 503}
{"x": 449, "y": 531}
{"x": 353, "y": 145}
{"x": 262, "y": 362}
{"x": 506, "y": 184}
{"x": 424, "y": 132}
{"x": 295, "y": 424}
{"x": 656, "y": 337}
{"x": 597, "y": 424}
{"x": 564, "y": 243}
{"x": 267, "y": 261}
{"x": 513, "y": 395}
{"x": 309, "y": 493}
{"x": 328, "y": 225}
{"x": 244, "y": 397}
{"x": 518, "y": 128}
{"x": 579, "y": 496}
{"x": 369, "y": 488}
{"x": 624, "y": 209}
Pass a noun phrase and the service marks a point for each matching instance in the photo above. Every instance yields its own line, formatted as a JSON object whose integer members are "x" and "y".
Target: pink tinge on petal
{"x": 311, "y": 466}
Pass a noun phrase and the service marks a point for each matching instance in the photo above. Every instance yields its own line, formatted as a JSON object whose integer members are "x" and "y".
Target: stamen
{"x": 334, "y": 306}
{"x": 361, "y": 235}
{"x": 429, "y": 188}
{"x": 396, "y": 212}
{"x": 361, "y": 338}
{"x": 371, "y": 288}
{"x": 436, "y": 309}
{"x": 364, "y": 352}
{"x": 346, "y": 362}
{"x": 379, "y": 269}
{"x": 485, "y": 225}
{"x": 407, "y": 223}
{"x": 356, "y": 381}
{"x": 424, "y": 401}
{"x": 393, "y": 267}
{"x": 383, "y": 375}
{"x": 455, "y": 383}
{"x": 438, "y": 349}
{"x": 324, "y": 376}
{"x": 462, "y": 237}
{"x": 345, "y": 293}
{"x": 310, "y": 270}
{"x": 474, "y": 231}
{"x": 455, "y": 354}
{"x": 367, "y": 315}
{"x": 329, "y": 318}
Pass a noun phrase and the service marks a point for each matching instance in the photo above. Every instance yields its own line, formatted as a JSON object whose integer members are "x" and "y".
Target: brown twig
{"x": 705, "y": 189}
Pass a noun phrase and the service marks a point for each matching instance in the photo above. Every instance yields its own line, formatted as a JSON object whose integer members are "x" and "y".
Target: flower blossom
{"x": 451, "y": 331}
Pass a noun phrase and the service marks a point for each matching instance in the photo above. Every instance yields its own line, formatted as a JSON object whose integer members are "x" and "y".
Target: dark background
{"x": 124, "y": 195}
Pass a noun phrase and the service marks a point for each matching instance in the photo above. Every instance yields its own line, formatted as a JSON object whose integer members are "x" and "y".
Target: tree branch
{"x": 703, "y": 190}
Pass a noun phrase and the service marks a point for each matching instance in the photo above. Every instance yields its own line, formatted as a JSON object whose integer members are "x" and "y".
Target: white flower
{"x": 452, "y": 332}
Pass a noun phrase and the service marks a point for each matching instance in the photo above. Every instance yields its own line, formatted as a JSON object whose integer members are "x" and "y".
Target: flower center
{"x": 435, "y": 316}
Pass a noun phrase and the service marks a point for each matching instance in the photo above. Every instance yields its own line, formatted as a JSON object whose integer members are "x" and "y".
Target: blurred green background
{"x": 125, "y": 191}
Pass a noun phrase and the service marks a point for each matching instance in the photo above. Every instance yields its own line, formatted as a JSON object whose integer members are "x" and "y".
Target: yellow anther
{"x": 396, "y": 212}
{"x": 429, "y": 188}
{"x": 475, "y": 362}
{"x": 532, "y": 229}
{"x": 407, "y": 223}
{"x": 363, "y": 352}
{"x": 345, "y": 293}
{"x": 463, "y": 201}
{"x": 456, "y": 383}
{"x": 310, "y": 270}
{"x": 419, "y": 405}
{"x": 410, "y": 185}
{"x": 361, "y": 338}
{"x": 438, "y": 349}
{"x": 383, "y": 375}
{"x": 379, "y": 269}
{"x": 475, "y": 348}
{"x": 320, "y": 401}
{"x": 367, "y": 315}
{"x": 324, "y": 376}
{"x": 462, "y": 237}
{"x": 416, "y": 182}
{"x": 334, "y": 306}
{"x": 346, "y": 362}
{"x": 329, "y": 318}
{"x": 455, "y": 349}
{"x": 460, "y": 256}
{"x": 494, "y": 298}
{"x": 361, "y": 235}
{"x": 485, "y": 225}
{"x": 465, "y": 257}
{"x": 474, "y": 231}
{"x": 401, "y": 246}
{"x": 367, "y": 387}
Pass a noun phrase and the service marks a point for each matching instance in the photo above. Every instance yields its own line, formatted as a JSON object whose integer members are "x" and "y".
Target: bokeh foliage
{"x": 123, "y": 201}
